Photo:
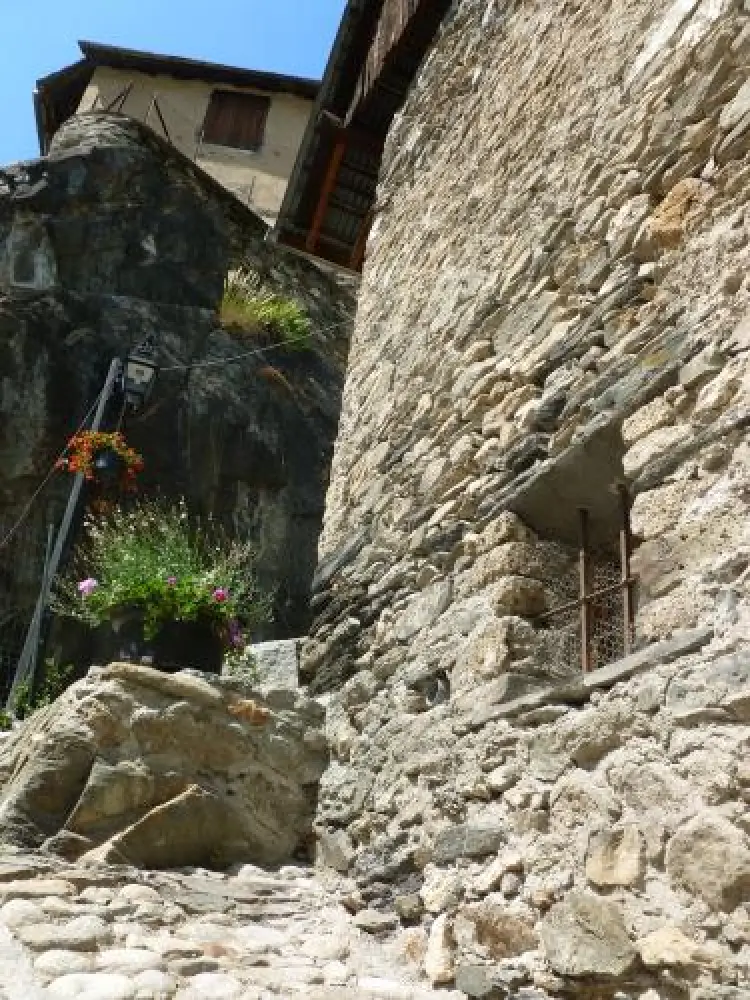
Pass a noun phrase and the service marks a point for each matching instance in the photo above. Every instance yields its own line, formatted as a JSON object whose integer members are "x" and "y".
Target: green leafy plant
{"x": 55, "y": 679}
{"x": 6, "y": 722}
{"x": 153, "y": 557}
{"x": 240, "y": 663}
{"x": 250, "y": 308}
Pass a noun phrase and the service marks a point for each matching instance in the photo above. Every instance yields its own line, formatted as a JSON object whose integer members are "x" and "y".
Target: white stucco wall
{"x": 258, "y": 178}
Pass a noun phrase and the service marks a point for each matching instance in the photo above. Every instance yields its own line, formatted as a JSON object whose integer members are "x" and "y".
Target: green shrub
{"x": 55, "y": 679}
{"x": 247, "y": 306}
{"x": 152, "y": 556}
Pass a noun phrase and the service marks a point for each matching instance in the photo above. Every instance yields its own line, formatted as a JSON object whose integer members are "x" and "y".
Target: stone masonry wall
{"x": 554, "y": 304}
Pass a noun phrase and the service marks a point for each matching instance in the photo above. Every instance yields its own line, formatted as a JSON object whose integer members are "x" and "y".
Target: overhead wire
{"x": 256, "y": 351}
{"x": 25, "y": 512}
{"x": 169, "y": 368}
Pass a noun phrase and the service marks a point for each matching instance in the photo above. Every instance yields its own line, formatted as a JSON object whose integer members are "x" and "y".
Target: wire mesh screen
{"x": 560, "y": 632}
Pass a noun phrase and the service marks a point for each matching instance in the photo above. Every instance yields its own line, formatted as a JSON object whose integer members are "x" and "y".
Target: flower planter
{"x": 121, "y": 638}
{"x": 108, "y": 467}
{"x": 192, "y": 645}
{"x": 178, "y": 645}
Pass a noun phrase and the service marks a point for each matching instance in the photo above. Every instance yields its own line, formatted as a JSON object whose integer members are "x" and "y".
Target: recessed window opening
{"x": 236, "y": 120}
{"x": 593, "y": 622}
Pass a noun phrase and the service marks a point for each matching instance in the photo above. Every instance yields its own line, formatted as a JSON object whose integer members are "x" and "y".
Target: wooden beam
{"x": 357, "y": 136}
{"x": 329, "y": 182}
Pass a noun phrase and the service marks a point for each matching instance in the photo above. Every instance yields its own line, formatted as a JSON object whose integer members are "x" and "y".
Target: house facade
{"x": 242, "y": 127}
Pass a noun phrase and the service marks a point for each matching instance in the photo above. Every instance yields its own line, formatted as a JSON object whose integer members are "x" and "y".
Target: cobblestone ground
{"x": 121, "y": 934}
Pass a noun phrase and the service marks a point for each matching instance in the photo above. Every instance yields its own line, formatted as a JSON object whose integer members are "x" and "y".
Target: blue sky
{"x": 286, "y": 36}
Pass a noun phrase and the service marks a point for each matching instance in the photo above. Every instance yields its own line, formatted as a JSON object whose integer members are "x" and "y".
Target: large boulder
{"x": 134, "y": 766}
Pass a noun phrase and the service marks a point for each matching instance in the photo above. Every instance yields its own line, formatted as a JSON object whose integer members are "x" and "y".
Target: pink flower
{"x": 87, "y": 586}
{"x": 171, "y": 581}
{"x": 220, "y": 595}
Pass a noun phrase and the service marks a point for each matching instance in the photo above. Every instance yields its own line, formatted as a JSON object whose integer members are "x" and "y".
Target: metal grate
{"x": 595, "y": 627}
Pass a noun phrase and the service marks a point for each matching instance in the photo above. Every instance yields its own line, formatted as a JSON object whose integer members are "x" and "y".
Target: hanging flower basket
{"x": 103, "y": 457}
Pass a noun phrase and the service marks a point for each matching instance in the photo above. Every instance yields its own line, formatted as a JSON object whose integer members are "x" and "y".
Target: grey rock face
{"x": 115, "y": 237}
{"x": 159, "y": 771}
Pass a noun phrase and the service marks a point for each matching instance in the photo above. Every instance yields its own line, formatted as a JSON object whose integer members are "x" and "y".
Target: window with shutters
{"x": 236, "y": 120}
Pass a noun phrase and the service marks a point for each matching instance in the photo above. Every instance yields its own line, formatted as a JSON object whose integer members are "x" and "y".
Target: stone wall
{"x": 554, "y": 305}
{"x": 116, "y": 236}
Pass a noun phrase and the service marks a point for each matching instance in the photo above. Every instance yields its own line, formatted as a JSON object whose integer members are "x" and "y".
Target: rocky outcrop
{"x": 114, "y": 237}
{"x": 132, "y": 766}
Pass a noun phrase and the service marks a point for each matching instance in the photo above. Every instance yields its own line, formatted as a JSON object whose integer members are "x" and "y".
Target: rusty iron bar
{"x": 592, "y": 595}
{"x": 626, "y": 547}
{"x": 587, "y": 597}
{"x": 584, "y": 572}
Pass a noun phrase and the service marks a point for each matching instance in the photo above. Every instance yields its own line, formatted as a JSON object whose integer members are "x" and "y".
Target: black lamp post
{"x": 139, "y": 374}
{"x": 136, "y": 375}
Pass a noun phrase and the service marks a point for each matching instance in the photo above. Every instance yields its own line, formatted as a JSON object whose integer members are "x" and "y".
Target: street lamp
{"x": 140, "y": 374}
{"x": 136, "y": 376}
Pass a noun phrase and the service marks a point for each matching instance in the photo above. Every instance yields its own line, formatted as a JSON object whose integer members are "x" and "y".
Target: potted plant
{"x": 104, "y": 457}
{"x": 162, "y": 585}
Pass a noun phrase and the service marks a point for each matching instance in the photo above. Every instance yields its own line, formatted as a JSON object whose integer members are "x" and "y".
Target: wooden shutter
{"x": 236, "y": 120}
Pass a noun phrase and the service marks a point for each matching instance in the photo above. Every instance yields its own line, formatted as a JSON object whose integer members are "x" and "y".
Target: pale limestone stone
{"x": 79, "y": 934}
{"x": 152, "y": 983}
{"x": 616, "y": 857}
{"x": 585, "y": 935}
{"x": 518, "y": 595}
{"x": 626, "y": 223}
{"x": 387, "y": 989}
{"x": 57, "y": 963}
{"x": 490, "y": 925}
{"x": 651, "y": 417}
{"x": 36, "y": 889}
{"x": 19, "y": 912}
{"x": 491, "y": 649}
{"x": 492, "y": 876}
{"x": 441, "y": 889}
{"x": 653, "y": 446}
{"x": 336, "y": 973}
{"x": 211, "y": 986}
{"x": 710, "y": 857}
{"x": 439, "y": 956}
{"x": 719, "y": 392}
{"x": 93, "y": 986}
{"x": 139, "y": 894}
{"x": 670, "y": 947}
{"x": 685, "y": 201}
{"x": 128, "y": 960}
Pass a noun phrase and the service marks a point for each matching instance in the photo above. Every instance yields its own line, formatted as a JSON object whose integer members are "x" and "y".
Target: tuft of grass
{"x": 250, "y": 308}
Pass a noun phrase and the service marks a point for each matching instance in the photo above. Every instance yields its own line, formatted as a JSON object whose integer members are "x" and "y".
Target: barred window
{"x": 236, "y": 120}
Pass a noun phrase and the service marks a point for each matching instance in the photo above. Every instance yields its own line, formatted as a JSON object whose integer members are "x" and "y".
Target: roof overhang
{"x": 58, "y": 96}
{"x": 379, "y": 47}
